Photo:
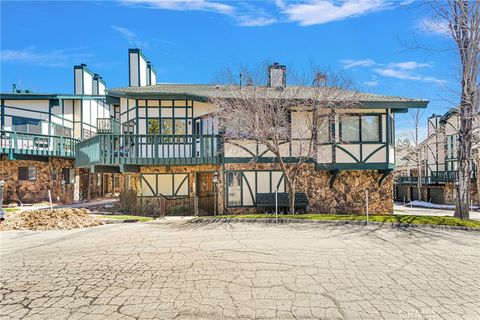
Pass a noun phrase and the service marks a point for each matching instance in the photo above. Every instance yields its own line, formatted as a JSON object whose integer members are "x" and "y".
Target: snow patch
{"x": 424, "y": 204}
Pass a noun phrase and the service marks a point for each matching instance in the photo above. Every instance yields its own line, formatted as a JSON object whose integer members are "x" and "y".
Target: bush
{"x": 130, "y": 203}
{"x": 178, "y": 210}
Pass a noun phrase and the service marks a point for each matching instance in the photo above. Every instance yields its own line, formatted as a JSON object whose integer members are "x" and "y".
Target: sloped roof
{"x": 205, "y": 92}
{"x": 450, "y": 113}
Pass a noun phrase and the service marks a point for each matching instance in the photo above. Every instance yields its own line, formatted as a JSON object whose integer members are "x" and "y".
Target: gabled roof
{"x": 450, "y": 113}
{"x": 204, "y": 92}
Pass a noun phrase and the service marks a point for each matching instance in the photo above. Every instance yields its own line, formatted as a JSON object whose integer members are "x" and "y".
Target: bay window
{"x": 360, "y": 128}
{"x": 350, "y": 128}
{"x": 370, "y": 128}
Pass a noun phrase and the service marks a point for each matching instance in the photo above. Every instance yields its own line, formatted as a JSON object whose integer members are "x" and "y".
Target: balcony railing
{"x": 436, "y": 177}
{"x": 36, "y": 144}
{"x": 108, "y": 125}
{"x": 147, "y": 149}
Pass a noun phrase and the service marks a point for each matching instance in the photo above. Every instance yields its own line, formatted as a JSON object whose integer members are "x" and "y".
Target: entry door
{"x": 205, "y": 193}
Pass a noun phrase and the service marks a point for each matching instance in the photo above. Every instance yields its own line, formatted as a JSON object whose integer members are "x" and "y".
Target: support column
{"x": 76, "y": 187}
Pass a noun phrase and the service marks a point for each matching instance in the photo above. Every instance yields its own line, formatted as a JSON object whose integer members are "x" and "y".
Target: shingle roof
{"x": 216, "y": 91}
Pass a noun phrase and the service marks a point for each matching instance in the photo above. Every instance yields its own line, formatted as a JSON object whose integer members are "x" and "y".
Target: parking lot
{"x": 175, "y": 269}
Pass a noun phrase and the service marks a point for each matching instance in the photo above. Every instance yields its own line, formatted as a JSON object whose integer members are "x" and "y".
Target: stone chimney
{"x": 320, "y": 79}
{"x": 277, "y": 75}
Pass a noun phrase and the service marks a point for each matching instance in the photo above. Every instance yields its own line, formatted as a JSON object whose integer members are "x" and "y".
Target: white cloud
{"x": 53, "y": 58}
{"x": 252, "y": 21}
{"x": 408, "y": 65}
{"x": 371, "y": 83}
{"x": 322, "y": 11}
{"x": 184, "y": 5}
{"x": 406, "y": 70}
{"x": 131, "y": 37}
{"x": 435, "y": 80}
{"x": 403, "y": 70}
{"x": 244, "y": 13}
{"x": 407, "y": 74}
{"x": 347, "y": 64}
{"x": 397, "y": 73}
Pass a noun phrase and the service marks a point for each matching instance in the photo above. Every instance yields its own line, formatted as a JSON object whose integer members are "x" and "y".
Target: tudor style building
{"x": 163, "y": 141}
{"x": 38, "y": 136}
{"x": 439, "y": 172}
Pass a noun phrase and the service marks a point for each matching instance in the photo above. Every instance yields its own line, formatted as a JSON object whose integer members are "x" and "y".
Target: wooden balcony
{"x": 18, "y": 143}
{"x": 108, "y": 125}
{"x": 147, "y": 149}
{"x": 437, "y": 177}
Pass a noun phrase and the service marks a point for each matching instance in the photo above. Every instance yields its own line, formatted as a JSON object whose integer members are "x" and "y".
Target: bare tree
{"x": 284, "y": 121}
{"x": 412, "y": 151}
{"x": 463, "y": 20}
{"x": 476, "y": 143}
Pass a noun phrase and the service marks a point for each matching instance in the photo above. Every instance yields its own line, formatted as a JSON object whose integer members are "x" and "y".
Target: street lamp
{"x": 215, "y": 190}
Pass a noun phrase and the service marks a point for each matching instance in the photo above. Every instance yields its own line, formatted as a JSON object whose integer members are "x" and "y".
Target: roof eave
{"x": 157, "y": 95}
{"x": 398, "y": 105}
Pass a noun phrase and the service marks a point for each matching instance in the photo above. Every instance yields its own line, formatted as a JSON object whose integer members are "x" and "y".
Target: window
{"x": 324, "y": 130}
{"x": 68, "y": 175}
{"x": 153, "y": 126}
{"x": 234, "y": 191}
{"x": 370, "y": 128}
{"x": 350, "y": 126}
{"x": 129, "y": 127}
{"x": 26, "y": 125}
{"x": 61, "y": 131}
{"x": 27, "y": 173}
{"x": 167, "y": 127}
{"x": 452, "y": 146}
{"x": 180, "y": 126}
{"x": 365, "y": 128}
{"x": 87, "y": 134}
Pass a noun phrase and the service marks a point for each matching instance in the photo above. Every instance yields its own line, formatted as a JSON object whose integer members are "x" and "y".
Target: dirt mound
{"x": 68, "y": 218}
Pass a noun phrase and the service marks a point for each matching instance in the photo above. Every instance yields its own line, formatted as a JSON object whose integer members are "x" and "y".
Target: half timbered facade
{"x": 163, "y": 140}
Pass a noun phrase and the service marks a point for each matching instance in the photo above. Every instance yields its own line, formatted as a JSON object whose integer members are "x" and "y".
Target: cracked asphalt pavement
{"x": 175, "y": 269}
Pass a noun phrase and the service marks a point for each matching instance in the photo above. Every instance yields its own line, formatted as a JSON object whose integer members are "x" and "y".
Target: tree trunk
{"x": 419, "y": 184}
{"x": 464, "y": 153}
{"x": 291, "y": 197}
{"x": 462, "y": 205}
{"x": 477, "y": 179}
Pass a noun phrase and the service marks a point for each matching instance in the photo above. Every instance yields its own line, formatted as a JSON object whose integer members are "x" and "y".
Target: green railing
{"x": 147, "y": 149}
{"x": 436, "y": 177}
{"x": 12, "y": 143}
{"x": 108, "y": 125}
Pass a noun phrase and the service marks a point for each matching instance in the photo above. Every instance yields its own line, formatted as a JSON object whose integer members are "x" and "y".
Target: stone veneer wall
{"x": 35, "y": 191}
{"x": 450, "y": 194}
{"x": 346, "y": 196}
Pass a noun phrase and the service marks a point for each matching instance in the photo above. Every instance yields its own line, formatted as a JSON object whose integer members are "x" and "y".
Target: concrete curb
{"x": 332, "y": 222}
